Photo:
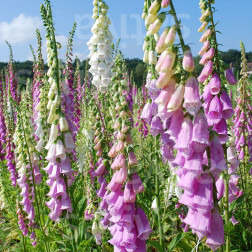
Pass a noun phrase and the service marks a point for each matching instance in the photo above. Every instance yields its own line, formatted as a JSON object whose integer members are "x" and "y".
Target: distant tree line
{"x": 135, "y": 66}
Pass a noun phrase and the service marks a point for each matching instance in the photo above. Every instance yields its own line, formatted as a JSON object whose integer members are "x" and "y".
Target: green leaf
{"x": 175, "y": 241}
{"x": 155, "y": 244}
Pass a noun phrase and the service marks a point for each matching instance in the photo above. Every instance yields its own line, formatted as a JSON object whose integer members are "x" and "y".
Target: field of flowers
{"x": 97, "y": 164}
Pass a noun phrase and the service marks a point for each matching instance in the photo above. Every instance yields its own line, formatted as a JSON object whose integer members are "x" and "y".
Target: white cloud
{"x": 62, "y": 39}
{"x": 21, "y": 29}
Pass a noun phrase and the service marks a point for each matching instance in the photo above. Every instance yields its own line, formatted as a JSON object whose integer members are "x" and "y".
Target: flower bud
{"x": 152, "y": 57}
{"x": 176, "y": 99}
{"x": 230, "y": 77}
{"x": 188, "y": 62}
{"x": 63, "y": 124}
{"x": 165, "y": 3}
{"x": 170, "y": 38}
{"x": 155, "y": 7}
{"x": 154, "y": 27}
{"x": 161, "y": 46}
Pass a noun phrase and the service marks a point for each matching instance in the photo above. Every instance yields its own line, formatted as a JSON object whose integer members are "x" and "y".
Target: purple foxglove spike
{"x": 215, "y": 110}
{"x": 227, "y": 110}
{"x": 215, "y": 84}
{"x": 230, "y": 77}
{"x": 192, "y": 102}
{"x": 216, "y": 238}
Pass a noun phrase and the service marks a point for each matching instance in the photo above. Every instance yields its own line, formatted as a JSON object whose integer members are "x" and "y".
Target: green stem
{"x": 226, "y": 200}
{"x": 227, "y": 211}
{"x": 157, "y": 191}
{"x": 23, "y": 240}
{"x": 178, "y": 26}
{"x": 214, "y": 38}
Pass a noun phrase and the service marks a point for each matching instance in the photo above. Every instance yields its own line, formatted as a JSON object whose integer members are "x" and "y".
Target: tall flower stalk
{"x": 60, "y": 145}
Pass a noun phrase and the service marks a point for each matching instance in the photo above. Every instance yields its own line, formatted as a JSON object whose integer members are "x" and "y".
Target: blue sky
{"x": 20, "y": 18}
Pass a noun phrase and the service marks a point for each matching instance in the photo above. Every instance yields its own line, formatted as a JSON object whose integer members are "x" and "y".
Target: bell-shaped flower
{"x": 185, "y": 136}
{"x": 129, "y": 195}
{"x": 207, "y": 70}
{"x": 205, "y": 47}
{"x": 119, "y": 162}
{"x": 168, "y": 62}
{"x": 215, "y": 84}
{"x": 230, "y": 77}
{"x": 215, "y": 109}
{"x": 170, "y": 38}
{"x": 216, "y": 238}
{"x": 146, "y": 113}
{"x": 137, "y": 184}
{"x": 60, "y": 150}
{"x": 164, "y": 79}
{"x": 217, "y": 157}
{"x": 200, "y": 137}
{"x": 176, "y": 99}
{"x": 161, "y": 46}
{"x": 192, "y": 102}
{"x": 166, "y": 93}
{"x": 63, "y": 124}
{"x": 142, "y": 225}
{"x": 121, "y": 175}
{"x": 227, "y": 109}
{"x": 188, "y": 61}
{"x": 154, "y": 27}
